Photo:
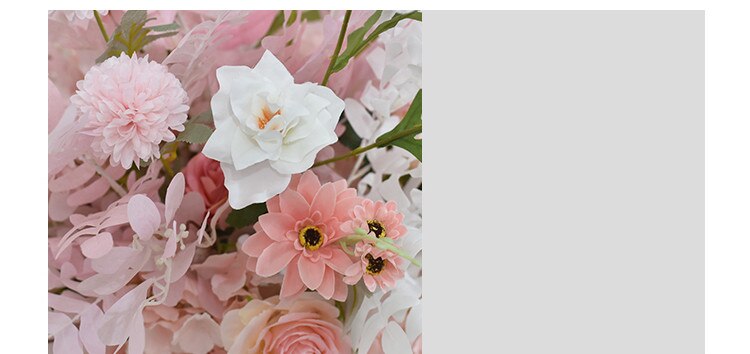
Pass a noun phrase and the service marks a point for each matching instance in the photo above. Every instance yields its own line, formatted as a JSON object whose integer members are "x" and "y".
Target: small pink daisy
{"x": 377, "y": 219}
{"x": 377, "y": 267}
{"x": 300, "y": 232}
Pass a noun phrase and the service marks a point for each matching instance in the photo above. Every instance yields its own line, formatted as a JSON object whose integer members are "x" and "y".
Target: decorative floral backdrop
{"x": 235, "y": 181}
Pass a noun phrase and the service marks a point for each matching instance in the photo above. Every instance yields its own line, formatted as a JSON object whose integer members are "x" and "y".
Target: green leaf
{"x": 356, "y": 41}
{"x": 206, "y": 117}
{"x": 132, "y": 35}
{"x": 311, "y": 15}
{"x": 350, "y": 138}
{"x": 165, "y": 28}
{"x": 195, "y": 133}
{"x": 197, "y": 129}
{"x": 246, "y": 216}
{"x": 276, "y": 24}
{"x": 412, "y": 122}
{"x": 292, "y": 18}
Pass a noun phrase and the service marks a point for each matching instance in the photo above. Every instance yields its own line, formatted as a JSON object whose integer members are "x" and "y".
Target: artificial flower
{"x": 377, "y": 219}
{"x": 303, "y": 324}
{"x": 300, "y": 232}
{"x": 203, "y": 175}
{"x": 267, "y": 128}
{"x": 131, "y": 105}
{"x": 378, "y": 268}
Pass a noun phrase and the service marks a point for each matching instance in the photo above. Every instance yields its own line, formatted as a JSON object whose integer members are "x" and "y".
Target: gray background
{"x": 564, "y": 180}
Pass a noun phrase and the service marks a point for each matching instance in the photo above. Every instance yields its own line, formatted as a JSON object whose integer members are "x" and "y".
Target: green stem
{"x": 336, "y": 51}
{"x": 101, "y": 26}
{"x": 383, "y": 245}
{"x": 385, "y": 142}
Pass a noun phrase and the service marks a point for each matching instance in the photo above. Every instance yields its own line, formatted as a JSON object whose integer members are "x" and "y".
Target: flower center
{"x": 374, "y": 265}
{"x": 265, "y": 116}
{"x": 311, "y": 238}
{"x": 376, "y": 228}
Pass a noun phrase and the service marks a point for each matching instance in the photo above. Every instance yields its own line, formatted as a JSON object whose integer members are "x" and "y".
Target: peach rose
{"x": 303, "y": 324}
{"x": 204, "y": 175}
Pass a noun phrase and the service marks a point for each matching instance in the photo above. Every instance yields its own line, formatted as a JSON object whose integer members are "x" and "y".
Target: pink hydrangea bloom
{"x": 377, "y": 218}
{"x": 131, "y": 104}
{"x": 377, "y": 267}
{"x": 300, "y": 233}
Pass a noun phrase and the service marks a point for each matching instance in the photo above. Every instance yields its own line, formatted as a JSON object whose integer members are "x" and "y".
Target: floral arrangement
{"x": 235, "y": 182}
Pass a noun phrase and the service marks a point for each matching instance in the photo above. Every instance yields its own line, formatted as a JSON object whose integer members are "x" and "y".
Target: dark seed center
{"x": 374, "y": 265}
{"x": 310, "y": 237}
{"x": 376, "y": 228}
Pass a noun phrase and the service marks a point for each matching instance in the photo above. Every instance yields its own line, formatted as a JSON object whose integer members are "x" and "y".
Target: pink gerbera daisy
{"x": 376, "y": 218}
{"x": 377, "y": 267}
{"x": 131, "y": 105}
{"x": 300, "y": 232}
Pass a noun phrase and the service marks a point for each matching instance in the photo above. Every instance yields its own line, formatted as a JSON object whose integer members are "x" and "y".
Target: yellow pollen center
{"x": 311, "y": 237}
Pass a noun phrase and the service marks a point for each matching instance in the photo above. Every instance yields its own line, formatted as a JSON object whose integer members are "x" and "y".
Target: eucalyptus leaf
{"x": 411, "y": 124}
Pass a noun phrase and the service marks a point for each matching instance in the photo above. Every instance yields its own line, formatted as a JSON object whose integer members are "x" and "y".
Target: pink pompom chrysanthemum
{"x": 131, "y": 105}
{"x": 301, "y": 233}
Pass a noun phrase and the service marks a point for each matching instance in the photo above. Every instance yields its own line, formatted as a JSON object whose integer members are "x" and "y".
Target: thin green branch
{"x": 385, "y": 142}
{"x": 337, "y": 51}
{"x": 383, "y": 244}
{"x": 101, "y": 26}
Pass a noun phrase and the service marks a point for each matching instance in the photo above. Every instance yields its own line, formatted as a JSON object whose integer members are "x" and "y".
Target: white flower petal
{"x": 245, "y": 151}
{"x": 219, "y": 145}
{"x": 335, "y": 108}
{"x": 361, "y": 121}
{"x": 255, "y": 184}
{"x": 270, "y": 67}
{"x": 394, "y": 340}
{"x": 318, "y": 138}
{"x": 287, "y": 167}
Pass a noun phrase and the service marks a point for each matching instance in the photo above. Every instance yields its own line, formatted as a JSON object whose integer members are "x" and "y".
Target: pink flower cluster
{"x": 145, "y": 252}
{"x": 305, "y": 233}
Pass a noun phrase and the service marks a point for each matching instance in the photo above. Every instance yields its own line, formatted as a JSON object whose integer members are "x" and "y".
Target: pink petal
{"x": 294, "y": 204}
{"x": 341, "y": 290}
{"x": 89, "y": 325}
{"x": 256, "y": 244}
{"x": 198, "y": 334}
{"x": 274, "y": 258}
{"x": 328, "y": 285}
{"x": 276, "y": 225}
{"x": 143, "y": 216}
{"x": 181, "y": 263}
{"x": 171, "y": 247}
{"x": 97, "y": 246}
{"x": 308, "y": 185}
{"x": 173, "y": 198}
{"x": 118, "y": 320}
{"x": 292, "y": 283}
{"x": 311, "y": 273}
{"x": 339, "y": 260}
{"x": 325, "y": 201}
